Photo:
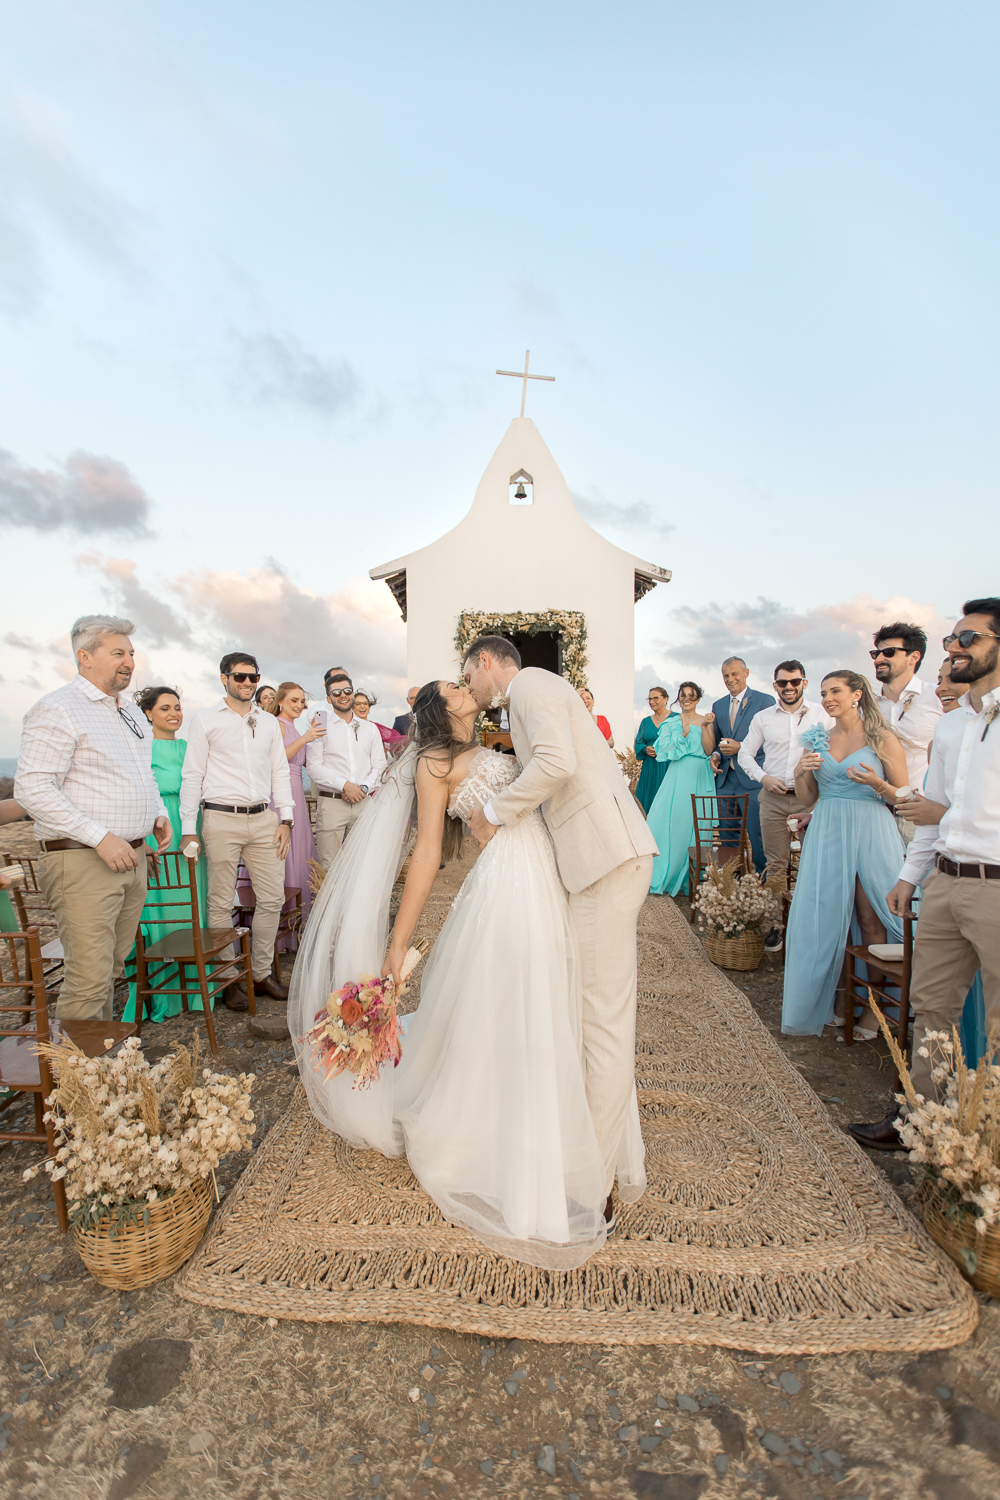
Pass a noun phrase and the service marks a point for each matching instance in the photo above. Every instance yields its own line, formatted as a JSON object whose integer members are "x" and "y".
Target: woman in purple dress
{"x": 289, "y": 705}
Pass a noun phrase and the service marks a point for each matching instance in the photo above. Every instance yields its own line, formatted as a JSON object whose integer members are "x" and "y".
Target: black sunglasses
{"x": 244, "y": 676}
{"x": 887, "y": 651}
{"x": 341, "y": 692}
{"x": 781, "y": 682}
{"x": 965, "y": 638}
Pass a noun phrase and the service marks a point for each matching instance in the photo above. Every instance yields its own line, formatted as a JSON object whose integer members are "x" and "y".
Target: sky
{"x": 260, "y": 261}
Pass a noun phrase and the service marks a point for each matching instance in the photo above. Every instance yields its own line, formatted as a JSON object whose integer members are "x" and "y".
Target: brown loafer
{"x": 881, "y": 1136}
{"x": 235, "y": 998}
{"x": 610, "y": 1217}
{"x": 270, "y": 986}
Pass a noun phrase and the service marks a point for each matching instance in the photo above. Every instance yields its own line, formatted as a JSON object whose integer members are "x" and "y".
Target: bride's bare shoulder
{"x": 438, "y": 768}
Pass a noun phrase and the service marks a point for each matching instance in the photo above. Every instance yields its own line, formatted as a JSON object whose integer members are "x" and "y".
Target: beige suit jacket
{"x": 570, "y": 772}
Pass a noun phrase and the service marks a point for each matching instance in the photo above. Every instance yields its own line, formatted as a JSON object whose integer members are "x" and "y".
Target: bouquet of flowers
{"x": 359, "y": 1029}
{"x": 132, "y": 1132}
{"x": 730, "y": 904}
{"x": 631, "y": 766}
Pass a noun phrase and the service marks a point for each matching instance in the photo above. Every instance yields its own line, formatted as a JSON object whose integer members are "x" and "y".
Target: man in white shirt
{"x": 956, "y": 855}
{"x": 85, "y": 775}
{"x": 235, "y": 766}
{"x": 344, "y": 765}
{"x": 778, "y": 731}
{"x": 909, "y": 706}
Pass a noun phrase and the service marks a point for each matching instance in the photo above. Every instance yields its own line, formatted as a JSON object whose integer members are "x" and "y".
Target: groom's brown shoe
{"x": 882, "y": 1136}
{"x": 610, "y": 1217}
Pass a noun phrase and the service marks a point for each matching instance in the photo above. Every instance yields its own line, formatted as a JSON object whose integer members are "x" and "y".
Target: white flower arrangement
{"x": 956, "y": 1140}
{"x": 569, "y": 624}
{"x": 730, "y": 904}
{"x": 132, "y": 1133}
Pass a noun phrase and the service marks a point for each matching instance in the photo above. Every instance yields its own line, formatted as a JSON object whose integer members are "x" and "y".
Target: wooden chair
{"x": 188, "y": 946}
{"x": 289, "y": 921}
{"x": 887, "y": 973}
{"x": 22, "y": 1071}
{"x": 32, "y": 910}
{"x": 717, "y": 818}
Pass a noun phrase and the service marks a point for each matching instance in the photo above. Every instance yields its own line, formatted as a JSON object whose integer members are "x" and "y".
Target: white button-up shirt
{"x": 82, "y": 772}
{"x": 964, "y": 775}
{"x": 235, "y": 758}
{"x": 914, "y": 719}
{"x": 780, "y": 733}
{"x": 350, "y": 750}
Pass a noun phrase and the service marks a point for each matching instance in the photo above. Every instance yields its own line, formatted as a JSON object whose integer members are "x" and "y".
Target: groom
{"x": 603, "y": 849}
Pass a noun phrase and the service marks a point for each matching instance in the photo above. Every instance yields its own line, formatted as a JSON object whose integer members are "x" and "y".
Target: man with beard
{"x": 956, "y": 854}
{"x": 778, "y": 731}
{"x": 910, "y": 707}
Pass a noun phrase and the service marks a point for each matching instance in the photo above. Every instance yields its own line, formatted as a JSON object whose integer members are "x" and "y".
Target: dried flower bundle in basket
{"x": 358, "y": 1029}
{"x": 957, "y": 1143}
{"x": 730, "y": 904}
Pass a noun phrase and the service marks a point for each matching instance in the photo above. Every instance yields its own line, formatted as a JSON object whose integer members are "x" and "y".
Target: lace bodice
{"x": 489, "y": 774}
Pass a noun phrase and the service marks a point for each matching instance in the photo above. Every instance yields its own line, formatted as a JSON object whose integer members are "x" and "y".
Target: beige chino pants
{"x": 604, "y": 916}
{"x": 958, "y": 933}
{"x": 775, "y": 810}
{"x": 334, "y": 820}
{"x": 228, "y": 838}
{"x": 97, "y": 913}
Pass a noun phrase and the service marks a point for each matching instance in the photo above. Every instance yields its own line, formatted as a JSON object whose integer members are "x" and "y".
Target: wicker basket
{"x": 742, "y": 952}
{"x": 956, "y": 1236}
{"x": 144, "y": 1253}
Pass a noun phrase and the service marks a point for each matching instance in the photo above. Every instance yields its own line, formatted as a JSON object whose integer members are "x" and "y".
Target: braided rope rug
{"x": 763, "y": 1226}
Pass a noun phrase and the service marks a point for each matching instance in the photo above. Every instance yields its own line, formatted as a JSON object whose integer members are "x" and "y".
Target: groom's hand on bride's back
{"x": 480, "y": 827}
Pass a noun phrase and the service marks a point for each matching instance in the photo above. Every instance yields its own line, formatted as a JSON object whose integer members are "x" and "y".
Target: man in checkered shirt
{"x": 85, "y": 775}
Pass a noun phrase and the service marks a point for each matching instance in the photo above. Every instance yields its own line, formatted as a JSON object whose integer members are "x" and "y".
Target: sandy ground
{"x": 110, "y": 1395}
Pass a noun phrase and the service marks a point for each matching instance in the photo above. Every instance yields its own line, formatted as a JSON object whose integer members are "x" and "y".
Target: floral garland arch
{"x": 569, "y": 624}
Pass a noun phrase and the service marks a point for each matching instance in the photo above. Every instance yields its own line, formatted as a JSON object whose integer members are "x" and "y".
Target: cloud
{"x": 48, "y": 193}
{"x": 155, "y": 621}
{"x": 90, "y": 493}
{"x": 824, "y": 637}
{"x": 639, "y": 516}
{"x": 47, "y": 656}
{"x": 275, "y": 369}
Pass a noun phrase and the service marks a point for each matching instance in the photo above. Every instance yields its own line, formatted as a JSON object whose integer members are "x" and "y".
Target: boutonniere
{"x": 908, "y": 700}
{"x": 500, "y": 700}
{"x": 991, "y": 714}
{"x": 252, "y": 724}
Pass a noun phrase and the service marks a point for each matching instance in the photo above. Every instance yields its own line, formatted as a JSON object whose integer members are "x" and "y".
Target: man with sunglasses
{"x": 909, "y": 706}
{"x": 778, "y": 732}
{"x": 955, "y": 856}
{"x": 85, "y": 775}
{"x": 235, "y": 767}
{"x": 344, "y": 765}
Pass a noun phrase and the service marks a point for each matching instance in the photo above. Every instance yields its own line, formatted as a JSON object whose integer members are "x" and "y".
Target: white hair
{"x": 88, "y": 630}
{"x": 730, "y": 659}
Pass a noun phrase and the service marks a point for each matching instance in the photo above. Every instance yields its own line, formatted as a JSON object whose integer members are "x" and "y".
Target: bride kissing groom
{"x": 514, "y": 1101}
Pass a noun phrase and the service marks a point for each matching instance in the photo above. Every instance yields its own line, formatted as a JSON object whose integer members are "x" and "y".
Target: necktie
{"x": 734, "y": 708}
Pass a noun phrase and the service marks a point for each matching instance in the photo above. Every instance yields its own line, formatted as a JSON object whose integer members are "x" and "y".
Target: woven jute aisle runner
{"x": 763, "y": 1227}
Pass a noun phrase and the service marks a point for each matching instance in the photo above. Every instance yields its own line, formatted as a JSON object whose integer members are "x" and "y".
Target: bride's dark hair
{"x": 435, "y": 739}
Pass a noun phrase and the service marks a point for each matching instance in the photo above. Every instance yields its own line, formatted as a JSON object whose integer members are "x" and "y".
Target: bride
{"x": 488, "y": 1103}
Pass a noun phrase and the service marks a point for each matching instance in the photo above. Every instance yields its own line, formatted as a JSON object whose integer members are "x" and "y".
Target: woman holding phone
{"x": 290, "y": 704}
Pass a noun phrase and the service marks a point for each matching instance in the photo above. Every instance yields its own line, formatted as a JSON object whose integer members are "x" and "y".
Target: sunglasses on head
{"x": 781, "y": 682}
{"x": 244, "y": 676}
{"x": 965, "y": 638}
{"x": 887, "y": 651}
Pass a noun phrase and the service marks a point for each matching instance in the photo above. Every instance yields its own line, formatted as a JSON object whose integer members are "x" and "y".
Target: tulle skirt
{"x": 489, "y": 1101}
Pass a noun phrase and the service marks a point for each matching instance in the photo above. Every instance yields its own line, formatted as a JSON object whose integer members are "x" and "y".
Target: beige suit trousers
{"x": 334, "y": 821}
{"x": 958, "y": 933}
{"x": 604, "y": 915}
{"x": 228, "y": 838}
{"x": 97, "y": 914}
{"x": 775, "y": 810}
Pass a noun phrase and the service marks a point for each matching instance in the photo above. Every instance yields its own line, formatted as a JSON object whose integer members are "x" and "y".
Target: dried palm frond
{"x": 631, "y": 767}
{"x": 317, "y": 875}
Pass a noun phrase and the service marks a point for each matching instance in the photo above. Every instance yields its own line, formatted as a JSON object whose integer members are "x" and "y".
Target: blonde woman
{"x": 289, "y": 705}
{"x": 851, "y": 855}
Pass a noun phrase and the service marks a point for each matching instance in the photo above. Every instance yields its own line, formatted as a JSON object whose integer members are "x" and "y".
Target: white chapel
{"x": 524, "y": 564}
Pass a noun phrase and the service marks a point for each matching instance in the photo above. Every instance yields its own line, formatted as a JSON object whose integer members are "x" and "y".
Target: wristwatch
{"x": 286, "y": 822}
{"x": 364, "y": 787}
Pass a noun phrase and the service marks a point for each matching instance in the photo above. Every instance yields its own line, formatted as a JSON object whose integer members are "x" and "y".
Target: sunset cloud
{"x": 90, "y": 493}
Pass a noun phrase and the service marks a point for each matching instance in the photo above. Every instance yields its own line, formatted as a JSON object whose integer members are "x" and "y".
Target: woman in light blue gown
{"x": 686, "y": 740}
{"x": 851, "y": 855}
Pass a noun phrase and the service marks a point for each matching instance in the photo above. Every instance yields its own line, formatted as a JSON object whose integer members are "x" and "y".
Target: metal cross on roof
{"x": 525, "y": 377}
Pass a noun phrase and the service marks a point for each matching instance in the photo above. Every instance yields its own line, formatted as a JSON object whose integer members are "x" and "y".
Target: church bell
{"x": 520, "y": 493}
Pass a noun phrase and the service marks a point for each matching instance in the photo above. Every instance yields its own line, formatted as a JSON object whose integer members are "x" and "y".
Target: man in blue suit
{"x": 732, "y": 720}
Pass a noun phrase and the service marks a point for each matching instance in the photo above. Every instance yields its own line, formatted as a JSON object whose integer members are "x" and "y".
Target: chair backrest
{"x": 29, "y": 901}
{"x": 22, "y": 971}
{"x": 175, "y": 880}
{"x": 710, "y": 812}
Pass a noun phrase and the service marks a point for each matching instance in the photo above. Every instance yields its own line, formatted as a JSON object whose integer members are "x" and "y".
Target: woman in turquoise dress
{"x": 653, "y": 770}
{"x": 851, "y": 855}
{"x": 686, "y": 740}
{"x": 162, "y": 708}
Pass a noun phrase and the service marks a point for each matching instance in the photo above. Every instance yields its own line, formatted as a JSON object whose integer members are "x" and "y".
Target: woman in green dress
{"x": 686, "y": 740}
{"x": 653, "y": 769}
{"x": 162, "y": 707}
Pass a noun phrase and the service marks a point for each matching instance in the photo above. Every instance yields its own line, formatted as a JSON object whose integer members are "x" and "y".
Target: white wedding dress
{"x": 488, "y": 1102}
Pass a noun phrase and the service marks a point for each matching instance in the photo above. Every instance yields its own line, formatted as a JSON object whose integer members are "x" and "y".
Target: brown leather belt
{"x": 51, "y": 846}
{"x": 339, "y": 795}
{"x": 258, "y": 807}
{"x": 967, "y": 872}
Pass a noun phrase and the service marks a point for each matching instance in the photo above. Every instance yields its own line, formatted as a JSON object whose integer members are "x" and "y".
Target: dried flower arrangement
{"x": 133, "y": 1132}
{"x": 631, "y": 766}
{"x": 569, "y": 624}
{"x": 956, "y": 1140}
{"x": 729, "y": 903}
